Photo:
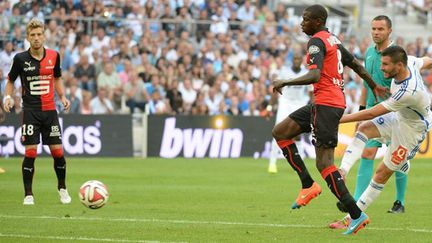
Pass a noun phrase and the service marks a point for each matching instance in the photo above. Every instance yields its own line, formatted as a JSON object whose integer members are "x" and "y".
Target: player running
{"x": 326, "y": 58}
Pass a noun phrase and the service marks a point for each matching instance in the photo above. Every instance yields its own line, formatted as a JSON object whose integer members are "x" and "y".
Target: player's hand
{"x": 65, "y": 102}
{"x": 7, "y": 104}
{"x": 381, "y": 92}
{"x": 277, "y": 86}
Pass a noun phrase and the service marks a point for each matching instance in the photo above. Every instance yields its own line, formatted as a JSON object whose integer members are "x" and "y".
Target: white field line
{"x": 48, "y": 237}
{"x": 180, "y": 221}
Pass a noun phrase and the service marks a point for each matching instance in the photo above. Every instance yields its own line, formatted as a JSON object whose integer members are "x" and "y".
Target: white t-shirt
{"x": 410, "y": 98}
{"x": 295, "y": 93}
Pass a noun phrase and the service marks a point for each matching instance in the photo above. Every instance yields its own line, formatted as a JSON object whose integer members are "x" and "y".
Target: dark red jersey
{"x": 37, "y": 78}
{"x": 325, "y": 52}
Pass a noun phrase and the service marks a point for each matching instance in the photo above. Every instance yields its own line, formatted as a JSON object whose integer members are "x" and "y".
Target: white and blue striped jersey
{"x": 410, "y": 98}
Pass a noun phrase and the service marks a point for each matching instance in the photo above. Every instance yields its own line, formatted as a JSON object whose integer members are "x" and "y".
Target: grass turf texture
{"x": 198, "y": 200}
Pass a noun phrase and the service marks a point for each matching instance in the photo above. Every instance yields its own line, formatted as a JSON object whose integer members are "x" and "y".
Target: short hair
{"x": 385, "y": 18}
{"x": 34, "y": 24}
{"x": 317, "y": 12}
{"x": 396, "y": 54}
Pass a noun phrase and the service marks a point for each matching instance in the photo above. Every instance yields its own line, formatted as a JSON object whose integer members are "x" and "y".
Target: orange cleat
{"x": 306, "y": 195}
{"x": 341, "y": 224}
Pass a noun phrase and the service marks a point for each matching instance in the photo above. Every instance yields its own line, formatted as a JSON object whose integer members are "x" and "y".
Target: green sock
{"x": 364, "y": 176}
{"x": 401, "y": 184}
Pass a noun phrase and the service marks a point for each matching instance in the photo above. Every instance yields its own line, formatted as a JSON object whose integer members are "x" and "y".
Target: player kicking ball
{"x": 402, "y": 121}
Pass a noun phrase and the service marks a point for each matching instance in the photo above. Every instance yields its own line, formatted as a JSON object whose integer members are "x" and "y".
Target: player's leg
{"x": 401, "y": 185}
{"x": 272, "y": 167}
{"x": 366, "y": 130}
{"x": 365, "y": 170}
{"x": 375, "y": 187}
{"x": 364, "y": 176}
{"x": 51, "y": 135}
{"x": 284, "y": 109}
{"x": 30, "y": 133}
{"x": 284, "y": 133}
{"x": 325, "y": 134}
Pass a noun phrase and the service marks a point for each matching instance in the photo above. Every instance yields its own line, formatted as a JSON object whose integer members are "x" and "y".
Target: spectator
{"x": 175, "y": 98}
{"x": 75, "y": 103}
{"x": 157, "y": 105}
{"x": 101, "y": 104}
{"x": 86, "y": 74}
{"x": 136, "y": 94}
{"x": 188, "y": 94}
{"x": 6, "y": 57}
{"x": 109, "y": 79}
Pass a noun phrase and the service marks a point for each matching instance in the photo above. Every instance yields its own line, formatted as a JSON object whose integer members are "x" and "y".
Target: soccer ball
{"x": 93, "y": 194}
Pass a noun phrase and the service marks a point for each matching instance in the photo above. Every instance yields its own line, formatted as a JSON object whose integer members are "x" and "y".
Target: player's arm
{"x": 427, "y": 63}
{"x": 12, "y": 76}
{"x": 362, "y": 100}
{"x": 58, "y": 84}
{"x": 349, "y": 60}
{"x": 316, "y": 51}
{"x": 367, "y": 114}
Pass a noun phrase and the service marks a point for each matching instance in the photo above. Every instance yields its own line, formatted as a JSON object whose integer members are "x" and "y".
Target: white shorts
{"x": 286, "y": 108}
{"x": 403, "y": 141}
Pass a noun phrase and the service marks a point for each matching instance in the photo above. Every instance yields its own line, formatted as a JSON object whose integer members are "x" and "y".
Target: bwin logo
{"x": 29, "y": 67}
{"x": 198, "y": 142}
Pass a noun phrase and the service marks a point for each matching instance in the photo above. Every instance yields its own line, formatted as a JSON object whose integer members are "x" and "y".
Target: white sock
{"x": 369, "y": 195}
{"x": 353, "y": 152}
{"x": 273, "y": 153}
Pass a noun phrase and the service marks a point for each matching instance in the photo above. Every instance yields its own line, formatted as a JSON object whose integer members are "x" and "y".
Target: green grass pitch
{"x": 198, "y": 200}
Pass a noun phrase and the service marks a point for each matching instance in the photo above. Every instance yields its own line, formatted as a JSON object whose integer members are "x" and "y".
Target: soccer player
{"x": 381, "y": 28}
{"x": 40, "y": 73}
{"x": 326, "y": 57}
{"x": 292, "y": 98}
{"x": 402, "y": 120}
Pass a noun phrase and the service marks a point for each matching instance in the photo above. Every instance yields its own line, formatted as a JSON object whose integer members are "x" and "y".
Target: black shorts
{"x": 40, "y": 122}
{"x": 322, "y": 121}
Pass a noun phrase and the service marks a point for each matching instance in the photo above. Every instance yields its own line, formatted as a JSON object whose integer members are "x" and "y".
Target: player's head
{"x": 35, "y": 33}
{"x": 314, "y": 19}
{"x": 393, "y": 61}
{"x": 381, "y": 28}
{"x": 297, "y": 60}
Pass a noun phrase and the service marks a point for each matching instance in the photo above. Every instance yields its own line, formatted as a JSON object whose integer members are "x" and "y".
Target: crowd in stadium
{"x": 122, "y": 61}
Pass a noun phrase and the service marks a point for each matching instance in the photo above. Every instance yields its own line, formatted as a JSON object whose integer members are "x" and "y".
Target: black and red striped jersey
{"x": 325, "y": 52}
{"x": 37, "y": 78}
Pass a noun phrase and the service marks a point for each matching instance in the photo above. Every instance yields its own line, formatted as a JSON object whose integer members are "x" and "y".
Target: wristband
{"x": 6, "y": 98}
{"x": 269, "y": 108}
{"x": 362, "y": 107}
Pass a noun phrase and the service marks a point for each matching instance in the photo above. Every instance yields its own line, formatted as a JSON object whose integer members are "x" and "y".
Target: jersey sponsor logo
{"x": 39, "y": 87}
{"x": 313, "y": 49}
{"x": 29, "y": 67}
{"x": 398, "y": 156}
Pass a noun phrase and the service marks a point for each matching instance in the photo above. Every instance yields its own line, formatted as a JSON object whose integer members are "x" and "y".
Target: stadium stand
{"x": 186, "y": 57}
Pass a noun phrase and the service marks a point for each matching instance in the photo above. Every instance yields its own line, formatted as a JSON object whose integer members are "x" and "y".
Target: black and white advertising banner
{"x": 208, "y": 136}
{"x": 82, "y": 135}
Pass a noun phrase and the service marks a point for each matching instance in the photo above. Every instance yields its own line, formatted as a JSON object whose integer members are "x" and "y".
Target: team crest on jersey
{"x": 50, "y": 65}
{"x": 313, "y": 49}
